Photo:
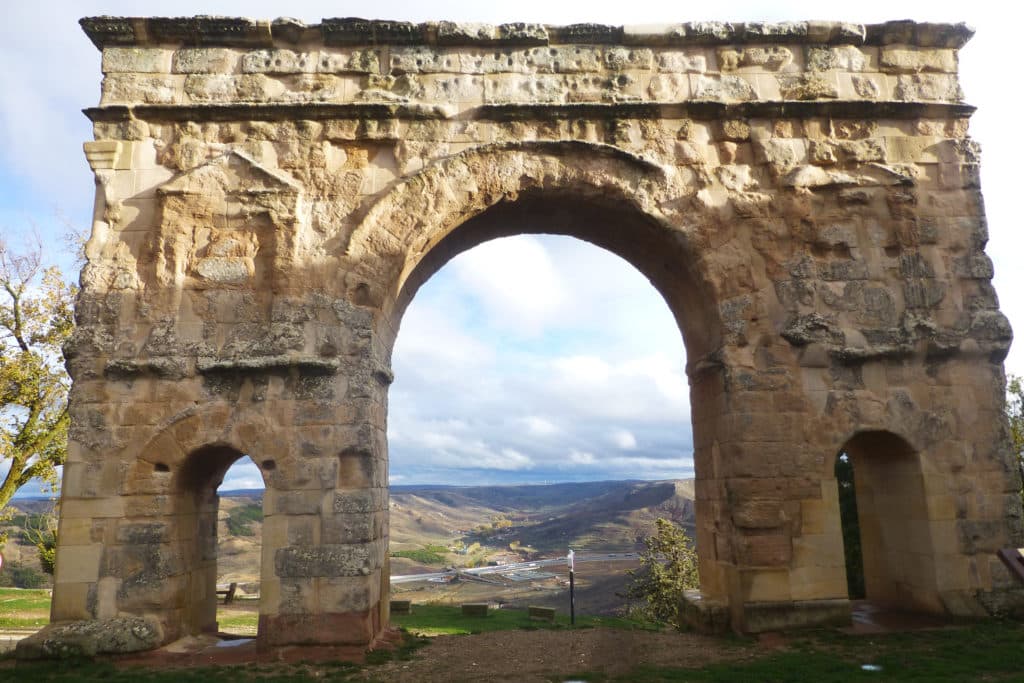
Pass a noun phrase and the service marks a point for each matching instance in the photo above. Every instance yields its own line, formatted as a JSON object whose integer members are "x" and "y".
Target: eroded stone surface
{"x": 115, "y": 636}
{"x": 804, "y": 195}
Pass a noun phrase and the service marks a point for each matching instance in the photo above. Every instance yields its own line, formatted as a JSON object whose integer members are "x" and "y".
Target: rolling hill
{"x": 463, "y": 525}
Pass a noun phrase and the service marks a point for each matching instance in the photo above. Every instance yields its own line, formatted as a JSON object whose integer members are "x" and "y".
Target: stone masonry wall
{"x": 270, "y": 195}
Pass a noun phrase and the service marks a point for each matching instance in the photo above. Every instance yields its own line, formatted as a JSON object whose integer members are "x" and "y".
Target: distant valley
{"x": 436, "y": 526}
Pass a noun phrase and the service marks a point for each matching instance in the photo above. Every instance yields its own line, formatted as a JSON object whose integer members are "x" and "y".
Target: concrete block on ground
{"x": 542, "y": 613}
{"x": 474, "y": 609}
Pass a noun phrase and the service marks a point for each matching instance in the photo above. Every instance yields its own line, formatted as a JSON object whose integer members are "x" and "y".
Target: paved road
{"x": 516, "y": 566}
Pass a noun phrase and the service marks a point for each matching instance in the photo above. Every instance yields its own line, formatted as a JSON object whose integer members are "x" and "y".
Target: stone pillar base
{"x": 350, "y": 628}
{"x": 702, "y": 614}
{"x": 758, "y": 617}
{"x": 712, "y": 616}
{"x": 999, "y": 602}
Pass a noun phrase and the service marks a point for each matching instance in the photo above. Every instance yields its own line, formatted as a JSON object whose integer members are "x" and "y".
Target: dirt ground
{"x": 541, "y": 656}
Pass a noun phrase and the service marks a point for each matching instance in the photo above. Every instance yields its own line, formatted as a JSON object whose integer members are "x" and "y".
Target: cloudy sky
{"x": 528, "y": 359}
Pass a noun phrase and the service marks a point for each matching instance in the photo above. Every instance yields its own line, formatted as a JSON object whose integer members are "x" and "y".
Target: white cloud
{"x": 652, "y": 468}
{"x": 431, "y": 338}
{"x": 624, "y": 439}
{"x": 243, "y": 474}
{"x": 582, "y": 371}
{"x": 455, "y": 452}
{"x": 581, "y": 458}
{"x": 518, "y": 286}
{"x": 539, "y": 426}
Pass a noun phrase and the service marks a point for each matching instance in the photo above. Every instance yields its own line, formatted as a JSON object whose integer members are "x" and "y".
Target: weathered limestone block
{"x": 136, "y": 60}
{"x": 895, "y": 59}
{"x": 204, "y": 61}
{"x": 928, "y": 87}
{"x": 558, "y": 60}
{"x": 768, "y": 58}
{"x": 759, "y": 514}
{"x": 220, "y": 87}
{"x": 724, "y": 88}
{"x": 763, "y": 549}
{"x": 867, "y": 87}
{"x": 681, "y": 62}
{"x": 351, "y": 61}
{"x": 120, "y": 635}
{"x": 807, "y": 87}
{"x": 456, "y": 33}
{"x": 669, "y": 88}
{"x": 785, "y": 29}
{"x": 348, "y": 528}
{"x": 122, "y": 88}
{"x": 279, "y": 62}
{"x": 845, "y": 57}
{"x": 325, "y": 561}
{"x": 360, "y": 501}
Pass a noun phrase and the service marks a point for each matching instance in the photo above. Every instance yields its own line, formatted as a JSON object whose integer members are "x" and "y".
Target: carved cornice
{"x": 211, "y": 31}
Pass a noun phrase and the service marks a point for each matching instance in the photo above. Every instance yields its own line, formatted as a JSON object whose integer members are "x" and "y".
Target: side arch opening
{"x": 196, "y": 486}
{"x": 887, "y": 537}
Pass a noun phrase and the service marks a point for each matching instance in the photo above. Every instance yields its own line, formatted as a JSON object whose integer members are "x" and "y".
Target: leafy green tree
{"x": 36, "y": 317}
{"x": 21, "y": 576}
{"x": 851, "y": 527}
{"x": 1015, "y": 413}
{"x": 41, "y": 531}
{"x": 241, "y": 518}
{"x": 668, "y": 568}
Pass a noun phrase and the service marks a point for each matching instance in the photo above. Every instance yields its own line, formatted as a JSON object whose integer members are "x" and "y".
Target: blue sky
{"x": 532, "y": 359}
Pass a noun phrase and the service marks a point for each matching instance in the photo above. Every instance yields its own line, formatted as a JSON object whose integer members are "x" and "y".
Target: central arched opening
{"x": 637, "y": 446}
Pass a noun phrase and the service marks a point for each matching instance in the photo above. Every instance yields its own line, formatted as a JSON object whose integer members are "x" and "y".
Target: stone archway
{"x": 271, "y": 195}
{"x": 591, "y": 192}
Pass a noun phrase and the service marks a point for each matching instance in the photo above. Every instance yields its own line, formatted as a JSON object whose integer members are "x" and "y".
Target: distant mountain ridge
{"x": 592, "y": 515}
{"x": 523, "y": 519}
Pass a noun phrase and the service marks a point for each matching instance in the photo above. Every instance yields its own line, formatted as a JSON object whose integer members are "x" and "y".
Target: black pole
{"x": 572, "y": 597}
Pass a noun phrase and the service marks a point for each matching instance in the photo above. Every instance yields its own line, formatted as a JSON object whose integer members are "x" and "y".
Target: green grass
{"x": 238, "y": 622}
{"x": 240, "y": 519}
{"x": 428, "y": 554}
{"x": 24, "y": 609}
{"x": 437, "y": 620}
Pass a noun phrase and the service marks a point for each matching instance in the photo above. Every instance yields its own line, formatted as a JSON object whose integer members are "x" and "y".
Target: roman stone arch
{"x": 270, "y": 196}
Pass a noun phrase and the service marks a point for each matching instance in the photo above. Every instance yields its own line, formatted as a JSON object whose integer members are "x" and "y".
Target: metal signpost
{"x": 572, "y": 588}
